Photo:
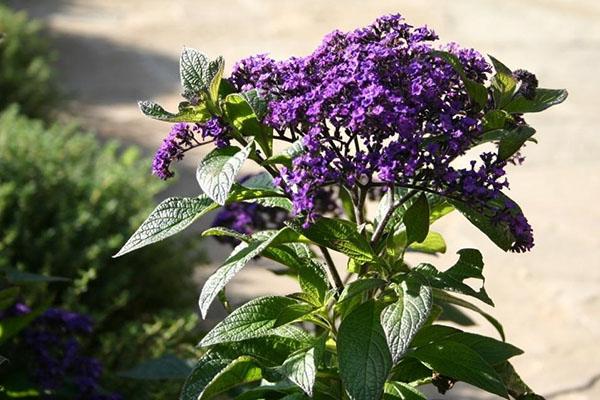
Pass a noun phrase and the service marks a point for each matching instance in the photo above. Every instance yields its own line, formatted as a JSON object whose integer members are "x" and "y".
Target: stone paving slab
{"x": 115, "y": 52}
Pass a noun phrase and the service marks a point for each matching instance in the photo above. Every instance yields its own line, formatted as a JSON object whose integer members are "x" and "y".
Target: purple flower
{"x": 378, "y": 105}
{"x": 184, "y": 137}
{"x": 529, "y": 83}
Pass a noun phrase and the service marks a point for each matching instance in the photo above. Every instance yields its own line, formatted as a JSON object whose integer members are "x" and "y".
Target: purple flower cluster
{"x": 378, "y": 105}
{"x": 184, "y": 137}
{"x": 52, "y": 340}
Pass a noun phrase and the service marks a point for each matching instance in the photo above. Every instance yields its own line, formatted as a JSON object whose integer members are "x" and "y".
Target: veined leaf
{"x": 254, "y": 319}
{"x": 242, "y": 116}
{"x": 238, "y": 259}
{"x": 358, "y": 287}
{"x": 469, "y": 265}
{"x": 216, "y": 69}
{"x": 256, "y": 102}
{"x": 197, "y": 71}
{"x": 339, "y": 235}
{"x": 170, "y": 217}
{"x": 544, "y": 98}
{"x": 186, "y": 113}
{"x": 416, "y": 220}
{"x": 214, "y": 374}
{"x": 363, "y": 354}
{"x": 460, "y": 362}
{"x": 216, "y": 173}
{"x": 288, "y": 154}
{"x": 301, "y": 369}
{"x": 403, "y": 319}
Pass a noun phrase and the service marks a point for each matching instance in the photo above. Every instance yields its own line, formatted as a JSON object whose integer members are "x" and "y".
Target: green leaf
{"x": 257, "y": 103}
{"x": 242, "y": 116}
{"x": 216, "y": 68}
{"x": 477, "y": 92}
{"x": 170, "y": 217}
{"x": 503, "y": 86}
{"x": 165, "y": 367}
{"x": 254, "y": 319}
{"x": 460, "y": 362}
{"x": 293, "y": 312}
{"x": 469, "y": 265}
{"x": 447, "y": 297}
{"x": 238, "y": 259}
{"x": 187, "y": 113}
{"x": 214, "y": 375}
{"x": 10, "y": 327}
{"x": 516, "y": 387}
{"x": 403, "y": 319}
{"x": 363, "y": 354}
{"x": 491, "y": 350}
{"x": 433, "y": 243}
{"x": 347, "y": 203}
{"x": 416, "y": 220}
{"x": 339, "y": 235}
{"x": 301, "y": 369}
{"x": 196, "y": 71}
{"x": 216, "y": 173}
{"x": 402, "y": 391}
{"x": 499, "y": 233}
{"x": 495, "y": 119}
{"x": 512, "y": 142}
{"x": 358, "y": 287}
{"x": 499, "y": 66}
{"x": 288, "y": 154}
{"x": 17, "y": 277}
{"x": 544, "y": 98}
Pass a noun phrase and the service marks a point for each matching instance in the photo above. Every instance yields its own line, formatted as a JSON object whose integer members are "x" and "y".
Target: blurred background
{"x": 104, "y": 55}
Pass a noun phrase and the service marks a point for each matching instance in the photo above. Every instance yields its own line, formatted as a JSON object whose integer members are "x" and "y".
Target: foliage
{"x": 377, "y": 334}
{"x": 66, "y": 203}
{"x": 26, "y": 74}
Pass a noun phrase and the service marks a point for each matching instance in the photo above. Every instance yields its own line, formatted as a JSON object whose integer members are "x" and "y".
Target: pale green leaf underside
{"x": 300, "y": 368}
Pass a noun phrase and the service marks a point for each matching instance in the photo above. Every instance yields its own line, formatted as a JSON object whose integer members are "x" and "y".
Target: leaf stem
{"x": 337, "y": 281}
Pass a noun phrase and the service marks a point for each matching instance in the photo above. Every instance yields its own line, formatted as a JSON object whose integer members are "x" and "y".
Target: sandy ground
{"x": 114, "y": 52}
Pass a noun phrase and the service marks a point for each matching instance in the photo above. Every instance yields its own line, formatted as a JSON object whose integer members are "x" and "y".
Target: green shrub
{"x": 26, "y": 74}
{"x": 67, "y": 204}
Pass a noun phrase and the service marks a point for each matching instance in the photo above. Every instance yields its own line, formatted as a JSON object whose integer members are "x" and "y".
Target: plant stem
{"x": 381, "y": 227}
{"x": 337, "y": 281}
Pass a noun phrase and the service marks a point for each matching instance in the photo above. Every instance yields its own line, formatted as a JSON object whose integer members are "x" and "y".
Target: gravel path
{"x": 116, "y": 52}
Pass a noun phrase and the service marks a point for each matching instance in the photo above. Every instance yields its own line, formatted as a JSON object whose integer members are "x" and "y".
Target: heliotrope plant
{"x": 384, "y": 113}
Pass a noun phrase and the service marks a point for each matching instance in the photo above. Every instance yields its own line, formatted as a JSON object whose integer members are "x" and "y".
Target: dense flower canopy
{"x": 378, "y": 105}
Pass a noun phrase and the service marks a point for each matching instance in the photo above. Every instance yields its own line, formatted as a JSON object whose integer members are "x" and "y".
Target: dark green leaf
{"x": 217, "y": 171}
{"x": 477, "y": 92}
{"x": 358, "y": 287}
{"x": 363, "y": 353}
{"x": 242, "y": 116}
{"x": 10, "y": 327}
{"x": 416, "y": 220}
{"x": 17, "y": 277}
{"x": 516, "y": 387}
{"x": 8, "y": 296}
{"x": 447, "y": 297}
{"x": 238, "y": 259}
{"x": 165, "y": 367}
{"x": 460, "y": 362}
{"x": 256, "y": 102}
{"x": 254, "y": 319}
{"x": 403, "y": 319}
{"x": 513, "y": 140}
{"x": 301, "y": 369}
{"x": 469, "y": 265}
{"x": 170, "y": 217}
{"x": 544, "y": 98}
{"x": 339, "y": 235}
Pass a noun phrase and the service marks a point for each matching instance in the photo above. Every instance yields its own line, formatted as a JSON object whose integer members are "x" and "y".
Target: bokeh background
{"x": 115, "y": 52}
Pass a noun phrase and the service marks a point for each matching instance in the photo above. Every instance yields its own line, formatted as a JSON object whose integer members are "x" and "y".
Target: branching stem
{"x": 382, "y": 224}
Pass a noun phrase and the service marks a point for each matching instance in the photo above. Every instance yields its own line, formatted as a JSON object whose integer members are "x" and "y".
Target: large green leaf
{"x": 186, "y": 113}
{"x": 241, "y": 109}
{"x": 254, "y": 319}
{"x": 513, "y": 141}
{"x": 363, "y": 354}
{"x": 493, "y": 351}
{"x": 170, "y": 217}
{"x": 544, "y": 98}
{"x": 460, "y": 362}
{"x": 339, "y": 235}
{"x": 448, "y": 298}
{"x": 217, "y": 171}
{"x": 469, "y": 265}
{"x": 301, "y": 369}
{"x": 238, "y": 259}
{"x": 214, "y": 374}
{"x": 403, "y": 319}
{"x": 165, "y": 367}
{"x": 402, "y": 391}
